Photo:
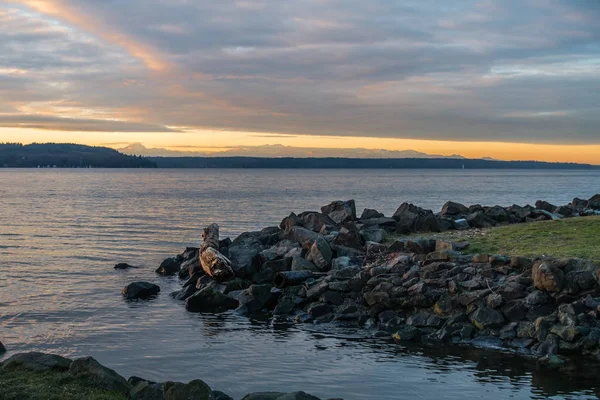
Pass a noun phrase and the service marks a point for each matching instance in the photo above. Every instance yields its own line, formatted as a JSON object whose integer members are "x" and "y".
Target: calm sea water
{"x": 61, "y": 232}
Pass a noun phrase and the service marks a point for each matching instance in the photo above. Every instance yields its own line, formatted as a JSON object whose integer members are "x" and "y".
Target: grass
{"x": 567, "y": 238}
{"x": 21, "y": 384}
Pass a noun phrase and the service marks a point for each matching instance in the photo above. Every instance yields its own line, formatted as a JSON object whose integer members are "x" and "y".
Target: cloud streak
{"x": 512, "y": 71}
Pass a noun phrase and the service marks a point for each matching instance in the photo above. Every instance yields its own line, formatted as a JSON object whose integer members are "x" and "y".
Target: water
{"x": 61, "y": 232}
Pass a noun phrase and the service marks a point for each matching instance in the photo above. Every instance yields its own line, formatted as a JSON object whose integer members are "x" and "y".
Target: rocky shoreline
{"x": 334, "y": 267}
{"x": 93, "y": 377}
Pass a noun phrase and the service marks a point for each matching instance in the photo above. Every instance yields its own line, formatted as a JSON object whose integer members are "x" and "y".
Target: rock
{"x": 321, "y": 253}
{"x": 256, "y": 299}
{"x": 348, "y": 207}
{"x": 514, "y": 310}
{"x": 494, "y": 300}
{"x": 375, "y": 298}
{"x": 99, "y": 375}
{"x": 497, "y": 213}
{"x": 375, "y": 249}
{"x": 373, "y": 235}
{"x": 545, "y": 215}
{"x": 406, "y": 334}
{"x": 144, "y": 390}
{"x": 196, "y": 390}
{"x": 302, "y": 264}
{"x": 285, "y": 305}
{"x": 520, "y": 263}
{"x": 548, "y": 277}
{"x": 319, "y": 309}
{"x": 452, "y": 209}
{"x": 332, "y": 297}
{"x": 594, "y": 202}
{"x": 480, "y": 220}
{"x": 564, "y": 211}
{"x": 461, "y": 224}
{"x": 140, "y": 290}
{"x": 544, "y": 205}
{"x": 37, "y": 362}
{"x": 579, "y": 280}
{"x": 123, "y": 266}
{"x": 569, "y": 333}
{"x": 290, "y": 221}
{"x": 302, "y": 235}
{"x": 536, "y": 298}
{"x": 169, "y": 267}
{"x": 370, "y": 213}
{"x": 486, "y": 318}
{"x": 210, "y": 300}
{"x": 411, "y": 218}
{"x": 220, "y": 395}
{"x": 420, "y": 246}
{"x": 315, "y": 221}
{"x": 2, "y": 348}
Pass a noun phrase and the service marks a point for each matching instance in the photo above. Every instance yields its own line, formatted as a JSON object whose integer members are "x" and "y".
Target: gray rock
{"x": 321, "y": 253}
{"x": 453, "y": 209}
{"x": 99, "y": 375}
{"x": 169, "y": 267}
{"x": 140, "y": 290}
{"x": 37, "y": 362}
{"x": 373, "y": 235}
{"x": 369, "y": 213}
{"x": 486, "y": 318}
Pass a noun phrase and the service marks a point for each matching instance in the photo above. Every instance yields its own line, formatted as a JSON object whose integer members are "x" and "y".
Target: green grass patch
{"x": 566, "y": 238}
{"x": 21, "y": 384}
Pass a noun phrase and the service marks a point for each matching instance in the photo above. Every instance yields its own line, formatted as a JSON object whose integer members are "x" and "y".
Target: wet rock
{"x": 140, "y": 290}
{"x": 2, "y": 348}
{"x": 100, "y": 375}
{"x": 285, "y": 305}
{"x": 332, "y": 297}
{"x": 319, "y": 309}
{"x": 210, "y": 300}
{"x": 316, "y": 290}
{"x": 256, "y": 299}
{"x": 569, "y": 333}
{"x": 123, "y": 266}
{"x": 197, "y": 390}
{"x": 407, "y": 334}
{"x": 514, "y": 310}
{"x": 302, "y": 264}
{"x": 37, "y": 362}
{"x": 184, "y": 293}
{"x": 321, "y": 253}
{"x": 548, "y": 277}
{"x": 486, "y": 318}
{"x": 169, "y": 267}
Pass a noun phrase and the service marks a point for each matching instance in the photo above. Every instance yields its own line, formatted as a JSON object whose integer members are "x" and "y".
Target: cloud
{"x": 76, "y": 124}
{"x": 466, "y": 70}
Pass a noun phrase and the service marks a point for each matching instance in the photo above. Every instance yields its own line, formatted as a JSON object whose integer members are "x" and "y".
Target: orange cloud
{"x": 57, "y": 9}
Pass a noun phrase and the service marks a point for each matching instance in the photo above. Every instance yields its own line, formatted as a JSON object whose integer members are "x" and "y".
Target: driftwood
{"x": 215, "y": 264}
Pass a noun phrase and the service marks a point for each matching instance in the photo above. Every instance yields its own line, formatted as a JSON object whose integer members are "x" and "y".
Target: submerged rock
{"x": 210, "y": 300}
{"x": 123, "y": 266}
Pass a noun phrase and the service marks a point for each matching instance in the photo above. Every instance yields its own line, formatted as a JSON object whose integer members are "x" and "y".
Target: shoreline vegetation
{"x": 519, "y": 279}
{"x": 56, "y": 155}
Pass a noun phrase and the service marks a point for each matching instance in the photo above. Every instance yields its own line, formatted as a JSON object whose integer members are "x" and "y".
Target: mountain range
{"x": 278, "y": 150}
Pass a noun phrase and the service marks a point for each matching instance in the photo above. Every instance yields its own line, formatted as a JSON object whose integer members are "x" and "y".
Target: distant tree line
{"x": 59, "y": 155}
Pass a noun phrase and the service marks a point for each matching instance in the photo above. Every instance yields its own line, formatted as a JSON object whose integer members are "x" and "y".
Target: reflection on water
{"x": 62, "y": 231}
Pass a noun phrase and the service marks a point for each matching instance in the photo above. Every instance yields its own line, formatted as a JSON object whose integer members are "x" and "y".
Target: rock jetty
{"x": 335, "y": 267}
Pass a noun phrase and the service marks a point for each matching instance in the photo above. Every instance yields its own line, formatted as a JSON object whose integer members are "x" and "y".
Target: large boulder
{"x": 255, "y": 299}
{"x": 485, "y": 317}
{"x": 315, "y": 221}
{"x": 210, "y": 300}
{"x": 37, "y": 362}
{"x": 411, "y": 218}
{"x": 196, "y": 390}
{"x": 140, "y": 290}
{"x": 547, "y": 277}
{"x": 99, "y": 375}
{"x": 497, "y": 213}
{"x": 2, "y": 348}
{"x": 303, "y": 236}
{"x": 544, "y": 205}
{"x": 452, "y": 209}
{"x": 288, "y": 222}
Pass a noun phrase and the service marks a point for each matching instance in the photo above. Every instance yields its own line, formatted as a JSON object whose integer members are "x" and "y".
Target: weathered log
{"x": 291, "y": 278}
{"x": 215, "y": 264}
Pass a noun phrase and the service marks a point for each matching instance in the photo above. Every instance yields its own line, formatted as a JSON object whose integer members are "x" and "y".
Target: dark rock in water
{"x": 140, "y": 290}
{"x": 196, "y": 390}
{"x": 547, "y": 277}
{"x": 170, "y": 266}
{"x": 406, "y": 334}
{"x": 218, "y": 395}
{"x": 369, "y": 213}
{"x": 184, "y": 293}
{"x": 2, "y": 348}
{"x": 123, "y": 266}
{"x": 210, "y": 300}
{"x": 285, "y": 305}
{"x": 37, "y": 362}
{"x": 453, "y": 209}
{"x": 319, "y": 309}
{"x": 102, "y": 376}
{"x": 256, "y": 298}
{"x": 486, "y": 318}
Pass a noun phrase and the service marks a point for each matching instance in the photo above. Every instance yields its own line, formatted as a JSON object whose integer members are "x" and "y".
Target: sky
{"x": 497, "y": 78}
